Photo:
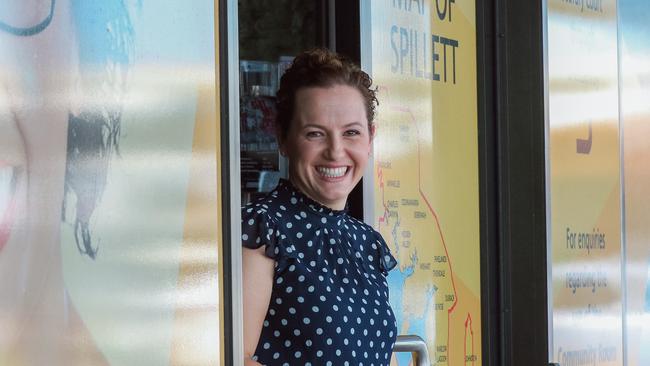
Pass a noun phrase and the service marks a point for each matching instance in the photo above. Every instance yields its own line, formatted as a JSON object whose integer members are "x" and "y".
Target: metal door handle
{"x": 416, "y": 346}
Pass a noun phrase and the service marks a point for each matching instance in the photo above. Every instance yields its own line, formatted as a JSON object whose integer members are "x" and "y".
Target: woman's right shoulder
{"x": 264, "y": 206}
{"x": 262, "y": 226}
{"x": 254, "y": 209}
{"x": 267, "y": 205}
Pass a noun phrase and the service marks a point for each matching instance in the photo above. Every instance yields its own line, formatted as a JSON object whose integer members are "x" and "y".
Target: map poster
{"x": 422, "y": 57}
{"x": 634, "y": 51}
{"x": 584, "y": 197}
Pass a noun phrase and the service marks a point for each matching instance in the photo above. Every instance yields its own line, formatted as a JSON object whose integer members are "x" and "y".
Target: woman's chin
{"x": 334, "y": 199}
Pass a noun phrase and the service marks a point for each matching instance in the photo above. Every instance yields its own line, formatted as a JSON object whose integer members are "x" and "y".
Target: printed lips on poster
{"x": 108, "y": 183}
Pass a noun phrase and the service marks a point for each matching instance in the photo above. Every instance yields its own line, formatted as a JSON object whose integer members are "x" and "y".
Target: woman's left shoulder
{"x": 365, "y": 227}
{"x": 377, "y": 243}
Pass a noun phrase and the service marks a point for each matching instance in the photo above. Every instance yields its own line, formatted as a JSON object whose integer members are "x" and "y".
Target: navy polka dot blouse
{"x": 329, "y": 303}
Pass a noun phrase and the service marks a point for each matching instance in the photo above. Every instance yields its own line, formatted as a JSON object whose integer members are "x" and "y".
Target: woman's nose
{"x": 334, "y": 148}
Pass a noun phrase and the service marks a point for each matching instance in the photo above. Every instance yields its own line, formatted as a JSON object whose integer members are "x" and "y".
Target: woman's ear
{"x": 372, "y": 138}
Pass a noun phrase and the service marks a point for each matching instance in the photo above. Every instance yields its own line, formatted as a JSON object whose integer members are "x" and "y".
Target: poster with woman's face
{"x": 108, "y": 183}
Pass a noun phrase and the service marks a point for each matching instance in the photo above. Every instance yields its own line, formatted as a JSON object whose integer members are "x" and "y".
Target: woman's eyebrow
{"x": 312, "y": 125}
{"x": 354, "y": 124}
{"x": 321, "y": 127}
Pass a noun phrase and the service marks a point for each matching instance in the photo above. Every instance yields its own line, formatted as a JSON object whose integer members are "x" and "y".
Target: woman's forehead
{"x": 335, "y": 102}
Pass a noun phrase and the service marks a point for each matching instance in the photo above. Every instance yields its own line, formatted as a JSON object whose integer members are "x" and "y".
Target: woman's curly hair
{"x": 320, "y": 67}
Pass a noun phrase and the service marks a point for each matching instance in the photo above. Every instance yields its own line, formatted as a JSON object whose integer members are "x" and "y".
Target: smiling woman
{"x": 315, "y": 288}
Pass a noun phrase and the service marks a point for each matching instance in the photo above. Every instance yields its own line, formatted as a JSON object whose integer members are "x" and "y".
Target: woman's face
{"x": 328, "y": 143}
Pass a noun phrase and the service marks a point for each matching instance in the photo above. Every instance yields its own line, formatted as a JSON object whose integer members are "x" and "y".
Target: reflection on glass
{"x": 270, "y": 33}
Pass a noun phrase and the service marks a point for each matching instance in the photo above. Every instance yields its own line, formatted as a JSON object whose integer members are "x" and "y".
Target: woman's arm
{"x": 258, "y": 283}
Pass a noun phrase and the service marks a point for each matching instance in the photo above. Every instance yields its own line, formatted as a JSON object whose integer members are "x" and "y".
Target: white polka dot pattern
{"x": 329, "y": 303}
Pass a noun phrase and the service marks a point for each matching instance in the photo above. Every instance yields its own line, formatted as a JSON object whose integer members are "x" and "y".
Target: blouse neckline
{"x": 314, "y": 205}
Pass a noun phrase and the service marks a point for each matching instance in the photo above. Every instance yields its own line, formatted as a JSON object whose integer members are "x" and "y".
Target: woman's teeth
{"x": 332, "y": 172}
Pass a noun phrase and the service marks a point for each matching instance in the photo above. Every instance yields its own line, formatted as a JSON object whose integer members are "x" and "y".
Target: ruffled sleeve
{"x": 260, "y": 229}
{"x": 386, "y": 259}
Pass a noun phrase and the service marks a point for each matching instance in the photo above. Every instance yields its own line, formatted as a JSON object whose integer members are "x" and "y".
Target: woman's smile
{"x": 327, "y": 172}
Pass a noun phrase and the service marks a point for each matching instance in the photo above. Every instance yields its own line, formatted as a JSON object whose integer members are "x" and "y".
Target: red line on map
{"x": 382, "y": 219}
{"x": 468, "y": 321}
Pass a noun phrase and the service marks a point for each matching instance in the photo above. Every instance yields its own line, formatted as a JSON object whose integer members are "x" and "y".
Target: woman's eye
{"x": 314, "y": 134}
{"x": 352, "y": 132}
